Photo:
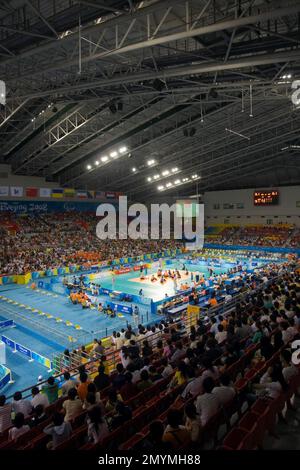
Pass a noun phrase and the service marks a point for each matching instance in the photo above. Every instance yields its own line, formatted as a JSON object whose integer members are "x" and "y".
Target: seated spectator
{"x": 128, "y": 390}
{"x": 266, "y": 348}
{"x": 82, "y": 388}
{"x": 192, "y": 422}
{"x": 168, "y": 349}
{"x": 178, "y": 354}
{"x": 221, "y": 335}
{"x": 119, "y": 379}
{"x": 146, "y": 349}
{"x": 176, "y": 433}
{"x": 39, "y": 416}
{"x": 59, "y": 430}
{"x": 272, "y": 383}
{"x": 113, "y": 399}
{"x": 122, "y": 414}
{"x": 97, "y": 426}
{"x": 258, "y": 333}
{"x": 72, "y": 406}
{"x": 207, "y": 404}
{"x": 18, "y": 428}
{"x": 97, "y": 349}
{"x": 181, "y": 375}
{"x": 225, "y": 392}
{"x": 210, "y": 370}
{"x": 136, "y": 373}
{"x": 145, "y": 381}
{"x": 51, "y": 390}
{"x": 5, "y": 414}
{"x": 101, "y": 380}
{"x": 167, "y": 368}
{"x": 154, "y": 440}
{"x": 70, "y": 382}
{"x": 92, "y": 389}
{"x": 289, "y": 370}
{"x": 154, "y": 376}
{"x": 194, "y": 385}
{"x": 277, "y": 340}
{"x": 20, "y": 405}
{"x": 38, "y": 398}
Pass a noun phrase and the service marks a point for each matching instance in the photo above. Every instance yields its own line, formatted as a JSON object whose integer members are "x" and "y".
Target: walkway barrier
{"x": 6, "y": 324}
{"x": 270, "y": 249}
{"x": 31, "y": 355}
{"x": 5, "y": 376}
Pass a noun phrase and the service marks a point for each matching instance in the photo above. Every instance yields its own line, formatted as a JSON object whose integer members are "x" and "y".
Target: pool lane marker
{"x": 48, "y": 315}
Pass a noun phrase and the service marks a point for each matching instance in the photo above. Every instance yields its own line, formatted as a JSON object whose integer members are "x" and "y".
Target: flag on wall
{"x": 45, "y": 192}
{"x": 4, "y": 191}
{"x": 31, "y": 192}
{"x": 57, "y": 193}
{"x": 110, "y": 195}
{"x": 69, "y": 192}
{"x": 100, "y": 195}
{"x": 16, "y": 191}
{"x": 82, "y": 194}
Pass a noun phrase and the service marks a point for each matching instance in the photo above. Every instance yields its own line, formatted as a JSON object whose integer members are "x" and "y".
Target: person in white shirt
{"x": 38, "y": 398}
{"x": 288, "y": 369}
{"x": 19, "y": 428}
{"x": 225, "y": 392}
{"x": 97, "y": 426}
{"x": 20, "y": 405}
{"x": 122, "y": 333}
{"x": 5, "y": 414}
{"x": 272, "y": 382}
{"x": 288, "y": 332}
{"x": 69, "y": 383}
{"x": 221, "y": 335}
{"x": 119, "y": 341}
{"x": 193, "y": 387}
{"x": 207, "y": 404}
{"x": 168, "y": 369}
{"x": 214, "y": 326}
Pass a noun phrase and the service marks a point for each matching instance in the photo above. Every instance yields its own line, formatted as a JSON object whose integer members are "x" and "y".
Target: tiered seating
{"x": 38, "y": 243}
{"x": 245, "y": 427}
{"x": 281, "y": 235}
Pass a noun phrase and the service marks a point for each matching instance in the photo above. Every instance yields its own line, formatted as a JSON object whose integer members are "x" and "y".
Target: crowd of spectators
{"x": 40, "y": 242}
{"x": 258, "y": 235}
{"x": 194, "y": 360}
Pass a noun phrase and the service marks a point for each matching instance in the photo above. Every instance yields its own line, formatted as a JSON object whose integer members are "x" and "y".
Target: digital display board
{"x": 266, "y": 198}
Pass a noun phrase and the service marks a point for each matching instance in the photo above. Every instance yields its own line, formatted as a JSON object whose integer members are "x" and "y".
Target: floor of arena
{"x": 46, "y": 322}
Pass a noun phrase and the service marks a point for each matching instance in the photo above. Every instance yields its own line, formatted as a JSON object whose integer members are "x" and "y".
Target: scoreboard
{"x": 266, "y": 198}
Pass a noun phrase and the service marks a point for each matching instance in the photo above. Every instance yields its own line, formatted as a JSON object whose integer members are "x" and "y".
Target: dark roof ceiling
{"x": 201, "y": 86}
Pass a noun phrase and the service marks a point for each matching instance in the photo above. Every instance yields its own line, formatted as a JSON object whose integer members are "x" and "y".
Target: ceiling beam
{"x": 263, "y": 59}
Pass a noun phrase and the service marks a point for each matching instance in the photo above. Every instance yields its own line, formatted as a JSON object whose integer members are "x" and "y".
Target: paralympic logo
{"x": 157, "y": 222}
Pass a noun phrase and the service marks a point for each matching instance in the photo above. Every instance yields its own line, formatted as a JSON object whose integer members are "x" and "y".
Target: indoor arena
{"x": 150, "y": 229}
